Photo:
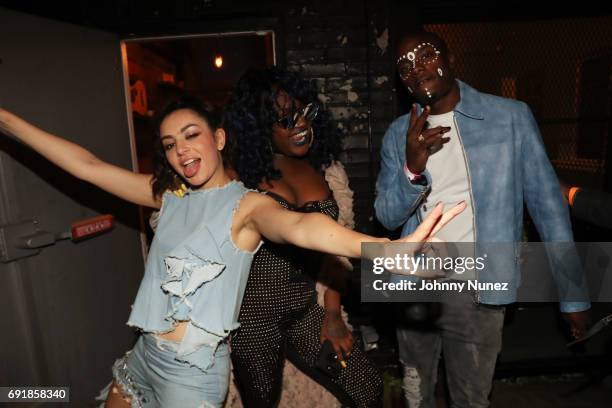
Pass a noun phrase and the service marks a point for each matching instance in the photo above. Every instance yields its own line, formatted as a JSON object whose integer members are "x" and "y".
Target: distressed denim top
{"x": 194, "y": 272}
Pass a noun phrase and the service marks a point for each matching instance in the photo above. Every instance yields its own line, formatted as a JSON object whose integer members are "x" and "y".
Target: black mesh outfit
{"x": 280, "y": 318}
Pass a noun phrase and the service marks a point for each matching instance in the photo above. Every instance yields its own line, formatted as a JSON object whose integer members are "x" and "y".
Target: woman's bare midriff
{"x": 176, "y": 334}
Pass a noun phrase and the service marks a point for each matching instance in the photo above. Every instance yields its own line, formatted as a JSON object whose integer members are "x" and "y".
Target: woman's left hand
{"x": 424, "y": 233}
{"x": 433, "y": 223}
{"x": 334, "y": 329}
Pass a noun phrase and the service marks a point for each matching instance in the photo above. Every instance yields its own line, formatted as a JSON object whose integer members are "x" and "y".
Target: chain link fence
{"x": 560, "y": 68}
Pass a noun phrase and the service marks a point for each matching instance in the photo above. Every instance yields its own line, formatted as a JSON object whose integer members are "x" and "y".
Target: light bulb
{"x": 218, "y": 61}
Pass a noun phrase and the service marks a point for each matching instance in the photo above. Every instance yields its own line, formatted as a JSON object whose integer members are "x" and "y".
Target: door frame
{"x": 128, "y": 100}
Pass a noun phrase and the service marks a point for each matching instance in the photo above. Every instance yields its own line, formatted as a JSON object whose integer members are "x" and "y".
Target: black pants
{"x": 258, "y": 372}
{"x": 279, "y": 318}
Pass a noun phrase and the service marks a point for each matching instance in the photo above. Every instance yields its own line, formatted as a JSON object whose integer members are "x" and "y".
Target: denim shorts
{"x": 151, "y": 377}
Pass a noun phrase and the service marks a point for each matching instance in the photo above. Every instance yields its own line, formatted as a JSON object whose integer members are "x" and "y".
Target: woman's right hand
{"x": 426, "y": 232}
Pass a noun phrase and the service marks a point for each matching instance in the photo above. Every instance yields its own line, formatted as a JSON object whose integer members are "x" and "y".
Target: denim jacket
{"x": 507, "y": 164}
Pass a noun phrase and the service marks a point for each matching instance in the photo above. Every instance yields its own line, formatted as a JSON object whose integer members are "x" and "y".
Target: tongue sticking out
{"x": 192, "y": 168}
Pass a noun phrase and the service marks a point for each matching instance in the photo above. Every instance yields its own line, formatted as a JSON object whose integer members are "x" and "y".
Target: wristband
{"x": 411, "y": 176}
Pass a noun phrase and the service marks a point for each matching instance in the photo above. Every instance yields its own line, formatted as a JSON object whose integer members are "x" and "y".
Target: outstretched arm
{"x": 264, "y": 216}
{"x": 307, "y": 230}
{"x": 81, "y": 163}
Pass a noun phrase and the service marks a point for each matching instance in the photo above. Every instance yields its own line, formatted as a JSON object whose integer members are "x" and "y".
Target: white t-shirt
{"x": 450, "y": 183}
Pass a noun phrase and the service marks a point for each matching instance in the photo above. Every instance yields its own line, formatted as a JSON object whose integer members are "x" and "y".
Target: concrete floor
{"x": 564, "y": 391}
{"x": 552, "y": 392}
{"x": 535, "y": 368}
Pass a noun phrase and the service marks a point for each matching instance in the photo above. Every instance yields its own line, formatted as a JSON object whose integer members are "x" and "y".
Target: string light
{"x": 218, "y": 61}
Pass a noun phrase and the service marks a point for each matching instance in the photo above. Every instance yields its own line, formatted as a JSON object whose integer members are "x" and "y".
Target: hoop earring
{"x": 176, "y": 180}
{"x": 179, "y": 188}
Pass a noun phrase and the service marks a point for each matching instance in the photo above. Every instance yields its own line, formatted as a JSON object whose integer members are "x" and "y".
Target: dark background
{"x": 338, "y": 44}
{"x": 557, "y": 59}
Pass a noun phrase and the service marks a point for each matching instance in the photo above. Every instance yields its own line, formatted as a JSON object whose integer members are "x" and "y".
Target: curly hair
{"x": 250, "y": 115}
{"x": 164, "y": 176}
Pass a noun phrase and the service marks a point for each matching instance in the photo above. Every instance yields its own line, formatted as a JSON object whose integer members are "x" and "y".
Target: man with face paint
{"x": 460, "y": 144}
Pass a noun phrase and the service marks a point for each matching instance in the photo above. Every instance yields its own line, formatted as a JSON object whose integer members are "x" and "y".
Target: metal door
{"x": 63, "y": 312}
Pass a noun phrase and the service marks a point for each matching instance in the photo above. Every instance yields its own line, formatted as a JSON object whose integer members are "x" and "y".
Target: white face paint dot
{"x": 440, "y": 72}
{"x": 412, "y": 57}
{"x": 409, "y": 89}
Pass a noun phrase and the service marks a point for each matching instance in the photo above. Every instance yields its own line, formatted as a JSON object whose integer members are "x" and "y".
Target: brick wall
{"x": 343, "y": 47}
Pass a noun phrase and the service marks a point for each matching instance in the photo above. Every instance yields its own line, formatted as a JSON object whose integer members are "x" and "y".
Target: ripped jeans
{"x": 470, "y": 337}
{"x": 150, "y": 376}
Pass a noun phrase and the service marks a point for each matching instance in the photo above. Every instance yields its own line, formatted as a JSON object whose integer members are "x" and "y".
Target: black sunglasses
{"x": 308, "y": 112}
